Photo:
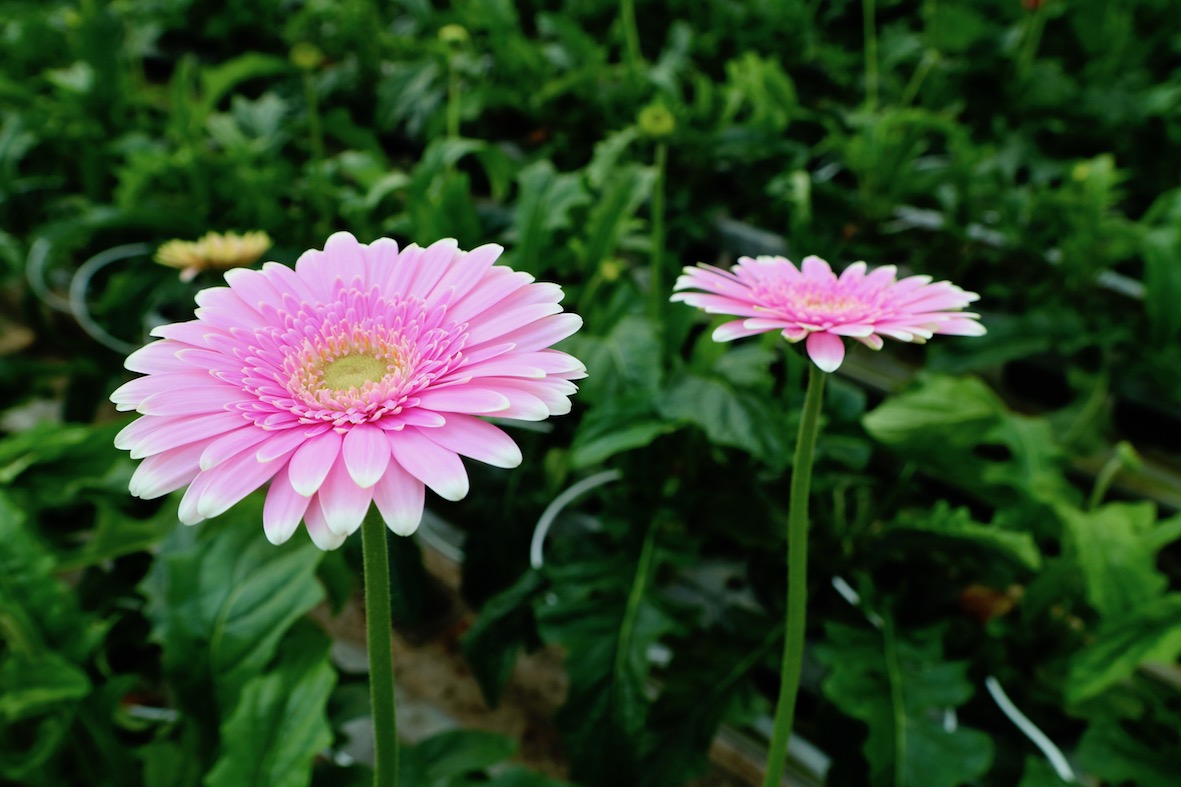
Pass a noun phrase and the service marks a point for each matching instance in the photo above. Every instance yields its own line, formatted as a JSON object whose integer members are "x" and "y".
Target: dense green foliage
{"x": 1029, "y": 151}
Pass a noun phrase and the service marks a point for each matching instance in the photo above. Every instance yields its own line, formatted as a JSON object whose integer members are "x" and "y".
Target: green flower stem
{"x": 631, "y": 33}
{"x": 869, "y": 22}
{"x": 381, "y": 656}
{"x": 659, "y": 296}
{"x": 316, "y": 141}
{"x": 797, "y": 577}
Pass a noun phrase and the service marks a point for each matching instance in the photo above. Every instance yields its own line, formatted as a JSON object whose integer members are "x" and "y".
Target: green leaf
{"x": 1148, "y": 633}
{"x": 504, "y": 624}
{"x": 543, "y": 208}
{"x": 729, "y": 417}
{"x": 217, "y": 81}
{"x": 34, "y": 685}
{"x": 1110, "y": 545}
{"x": 220, "y": 597}
{"x": 1111, "y": 753}
{"x": 901, "y": 687}
{"x": 615, "y": 426}
{"x": 279, "y": 724}
{"x": 1039, "y": 773}
{"x": 461, "y": 752}
{"x": 1161, "y": 249}
{"x": 602, "y": 612}
{"x": 622, "y": 195}
{"x": 628, "y": 360}
{"x": 516, "y": 776}
{"x": 957, "y": 524}
{"x": 949, "y": 426}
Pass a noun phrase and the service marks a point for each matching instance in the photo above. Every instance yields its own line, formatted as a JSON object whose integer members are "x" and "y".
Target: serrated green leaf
{"x": 220, "y": 597}
{"x": 628, "y": 360}
{"x": 493, "y": 642}
{"x": 900, "y": 686}
{"x": 956, "y": 523}
{"x": 1110, "y": 545}
{"x": 1110, "y": 752}
{"x": 543, "y": 207}
{"x": 279, "y": 724}
{"x": 950, "y": 425}
{"x": 728, "y": 417}
{"x": 1148, "y": 633}
{"x": 620, "y": 198}
{"x": 33, "y": 685}
{"x": 616, "y": 426}
{"x": 603, "y": 614}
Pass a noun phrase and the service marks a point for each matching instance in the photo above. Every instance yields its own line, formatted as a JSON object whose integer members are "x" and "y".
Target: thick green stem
{"x": 381, "y": 656}
{"x": 659, "y": 296}
{"x": 797, "y": 577}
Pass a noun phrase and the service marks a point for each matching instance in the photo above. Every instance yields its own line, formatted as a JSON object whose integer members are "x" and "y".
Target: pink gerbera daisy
{"x": 357, "y": 377}
{"x": 811, "y": 303}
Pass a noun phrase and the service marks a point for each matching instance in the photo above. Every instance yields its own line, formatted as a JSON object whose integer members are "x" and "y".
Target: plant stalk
{"x": 797, "y": 577}
{"x": 381, "y": 656}
{"x": 659, "y": 296}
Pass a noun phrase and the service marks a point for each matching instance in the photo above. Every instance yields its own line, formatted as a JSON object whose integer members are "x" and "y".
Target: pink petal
{"x": 816, "y": 269}
{"x": 231, "y": 444}
{"x": 343, "y": 502}
{"x": 825, "y": 350}
{"x": 155, "y": 358}
{"x": 281, "y": 443}
{"x": 366, "y": 452}
{"x": 736, "y": 329}
{"x": 150, "y": 434}
{"x": 318, "y": 529}
{"x": 283, "y": 509}
{"x": 435, "y": 466}
{"x": 543, "y": 333}
{"x": 399, "y": 497}
{"x": 165, "y": 472}
{"x": 478, "y": 439}
{"x": 312, "y": 461}
{"x": 463, "y": 399}
{"x": 231, "y": 481}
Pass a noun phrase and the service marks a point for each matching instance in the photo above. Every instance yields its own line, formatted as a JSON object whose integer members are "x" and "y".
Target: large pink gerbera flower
{"x": 358, "y": 376}
{"x": 811, "y": 303}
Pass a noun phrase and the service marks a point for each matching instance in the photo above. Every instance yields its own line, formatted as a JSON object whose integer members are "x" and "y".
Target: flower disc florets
{"x": 811, "y": 303}
{"x": 357, "y": 377}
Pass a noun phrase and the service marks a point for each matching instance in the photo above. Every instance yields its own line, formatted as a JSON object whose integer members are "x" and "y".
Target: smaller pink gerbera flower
{"x": 813, "y": 304}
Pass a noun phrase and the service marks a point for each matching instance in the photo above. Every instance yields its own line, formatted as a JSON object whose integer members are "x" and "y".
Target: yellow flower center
{"x": 353, "y": 371}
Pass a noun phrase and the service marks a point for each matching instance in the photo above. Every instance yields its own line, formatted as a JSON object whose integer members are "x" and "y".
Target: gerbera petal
{"x": 343, "y": 502}
{"x": 736, "y": 329}
{"x": 366, "y": 453}
{"x": 317, "y": 525}
{"x": 231, "y": 481}
{"x": 399, "y": 497}
{"x": 283, "y": 509}
{"x": 312, "y": 460}
{"x": 166, "y": 472}
{"x": 440, "y": 469}
{"x": 825, "y": 350}
{"x": 469, "y": 436}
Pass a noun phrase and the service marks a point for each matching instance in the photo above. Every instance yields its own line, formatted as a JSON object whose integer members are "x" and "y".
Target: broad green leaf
{"x": 1039, "y": 773}
{"x": 950, "y": 425}
{"x": 543, "y": 207}
{"x": 33, "y": 685}
{"x": 516, "y": 776}
{"x": 603, "y": 613}
{"x": 1111, "y": 752}
{"x": 956, "y": 523}
{"x": 729, "y": 417}
{"x": 899, "y": 685}
{"x": 217, "y": 81}
{"x": 279, "y": 724}
{"x": 622, "y": 195}
{"x": 461, "y": 752}
{"x": 1162, "y": 280}
{"x": 220, "y": 597}
{"x": 504, "y": 625}
{"x": 615, "y": 426}
{"x": 1150, "y": 632}
{"x": 1111, "y": 548}
{"x": 628, "y": 360}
